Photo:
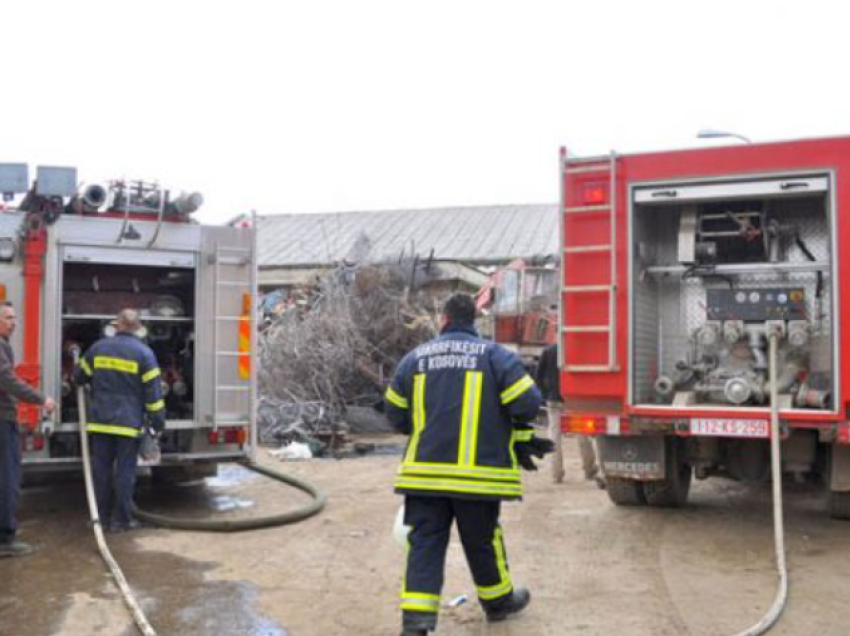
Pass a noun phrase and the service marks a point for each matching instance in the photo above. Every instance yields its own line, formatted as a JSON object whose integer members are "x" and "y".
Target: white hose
{"x": 138, "y": 616}
{"x": 781, "y": 600}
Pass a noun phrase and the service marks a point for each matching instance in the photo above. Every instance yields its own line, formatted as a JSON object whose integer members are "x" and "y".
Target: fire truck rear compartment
{"x": 92, "y": 295}
{"x": 709, "y": 273}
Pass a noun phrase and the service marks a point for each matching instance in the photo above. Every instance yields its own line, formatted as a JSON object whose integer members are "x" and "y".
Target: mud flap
{"x": 637, "y": 457}
{"x": 839, "y": 478}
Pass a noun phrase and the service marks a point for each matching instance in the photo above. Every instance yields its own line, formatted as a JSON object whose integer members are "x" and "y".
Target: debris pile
{"x": 330, "y": 350}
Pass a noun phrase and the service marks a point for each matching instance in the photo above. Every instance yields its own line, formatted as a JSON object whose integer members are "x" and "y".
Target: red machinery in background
{"x": 519, "y": 305}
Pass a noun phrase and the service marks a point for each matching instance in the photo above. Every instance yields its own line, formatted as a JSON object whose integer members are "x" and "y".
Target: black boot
{"x": 514, "y": 603}
{"x": 417, "y": 623}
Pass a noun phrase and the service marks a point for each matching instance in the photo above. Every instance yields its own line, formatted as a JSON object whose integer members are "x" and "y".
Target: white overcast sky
{"x": 328, "y": 106}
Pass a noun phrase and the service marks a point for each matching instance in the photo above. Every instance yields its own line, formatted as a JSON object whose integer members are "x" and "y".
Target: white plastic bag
{"x": 400, "y": 531}
{"x": 293, "y": 450}
{"x": 149, "y": 451}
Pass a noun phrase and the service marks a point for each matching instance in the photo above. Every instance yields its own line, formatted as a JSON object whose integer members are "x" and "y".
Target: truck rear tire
{"x": 672, "y": 491}
{"x": 625, "y": 492}
{"x": 839, "y": 505}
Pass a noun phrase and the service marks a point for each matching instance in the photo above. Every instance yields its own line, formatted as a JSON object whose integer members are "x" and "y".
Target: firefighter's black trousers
{"x": 430, "y": 520}
{"x": 114, "y": 460}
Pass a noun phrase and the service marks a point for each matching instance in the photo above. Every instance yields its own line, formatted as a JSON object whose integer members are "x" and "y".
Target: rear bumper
{"x": 679, "y": 423}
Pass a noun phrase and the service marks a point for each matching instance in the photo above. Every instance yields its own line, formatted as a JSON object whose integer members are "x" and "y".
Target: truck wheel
{"x": 625, "y": 492}
{"x": 839, "y": 505}
{"x": 672, "y": 491}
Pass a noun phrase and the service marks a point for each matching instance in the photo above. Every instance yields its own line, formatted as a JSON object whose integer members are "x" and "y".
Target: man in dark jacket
{"x": 126, "y": 396}
{"x": 465, "y": 402}
{"x": 12, "y": 390}
{"x": 548, "y": 378}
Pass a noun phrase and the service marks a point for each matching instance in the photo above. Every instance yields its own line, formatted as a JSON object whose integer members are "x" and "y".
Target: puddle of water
{"x": 227, "y": 608}
{"x": 231, "y": 475}
{"x": 223, "y": 503}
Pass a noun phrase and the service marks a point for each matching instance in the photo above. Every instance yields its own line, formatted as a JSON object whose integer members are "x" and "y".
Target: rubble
{"x": 327, "y": 351}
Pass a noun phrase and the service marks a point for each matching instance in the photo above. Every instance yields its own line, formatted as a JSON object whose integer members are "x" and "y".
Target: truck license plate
{"x": 730, "y": 428}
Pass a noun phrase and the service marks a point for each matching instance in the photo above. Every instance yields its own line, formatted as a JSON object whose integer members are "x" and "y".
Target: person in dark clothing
{"x": 126, "y": 396}
{"x": 466, "y": 403}
{"x": 12, "y": 390}
{"x": 548, "y": 378}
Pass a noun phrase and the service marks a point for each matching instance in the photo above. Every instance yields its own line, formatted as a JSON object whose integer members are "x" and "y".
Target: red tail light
{"x": 594, "y": 195}
{"x": 586, "y": 425}
{"x": 38, "y": 442}
{"x": 229, "y": 436}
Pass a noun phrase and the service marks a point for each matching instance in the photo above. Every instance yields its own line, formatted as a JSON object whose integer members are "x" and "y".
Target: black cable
{"x": 805, "y": 249}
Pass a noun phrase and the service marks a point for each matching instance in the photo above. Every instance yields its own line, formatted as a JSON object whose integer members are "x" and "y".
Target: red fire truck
{"x": 682, "y": 271}
{"x": 71, "y": 257}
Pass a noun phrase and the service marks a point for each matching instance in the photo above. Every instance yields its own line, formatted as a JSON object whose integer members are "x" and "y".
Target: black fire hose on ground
{"x": 239, "y": 525}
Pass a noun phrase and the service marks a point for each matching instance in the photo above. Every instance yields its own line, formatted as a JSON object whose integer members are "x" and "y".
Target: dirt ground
{"x": 592, "y": 568}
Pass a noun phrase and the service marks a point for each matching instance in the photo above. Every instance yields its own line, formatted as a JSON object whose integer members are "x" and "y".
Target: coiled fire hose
{"x": 238, "y": 525}
{"x": 781, "y": 600}
{"x": 235, "y": 525}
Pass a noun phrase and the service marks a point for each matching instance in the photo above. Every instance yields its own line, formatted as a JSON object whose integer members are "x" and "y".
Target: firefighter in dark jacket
{"x": 465, "y": 402}
{"x": 12, "y": 390}
{"x": 126, "y": 397}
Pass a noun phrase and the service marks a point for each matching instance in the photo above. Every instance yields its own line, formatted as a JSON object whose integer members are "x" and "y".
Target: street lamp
{"x": 711, "y": 133}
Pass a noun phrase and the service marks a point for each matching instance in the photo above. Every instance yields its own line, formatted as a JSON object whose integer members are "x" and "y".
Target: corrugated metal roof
{"x": 481, "y": 234}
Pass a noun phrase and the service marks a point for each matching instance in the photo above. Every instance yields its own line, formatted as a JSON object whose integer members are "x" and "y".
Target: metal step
{"x": 589, "y": 368}
{"x": 586, "y": 329}
{"x": 606, "y": 167}
{"x": 586, "y": 249}
{"x": 583, "y": 209}
{"x": 582, "y": 289}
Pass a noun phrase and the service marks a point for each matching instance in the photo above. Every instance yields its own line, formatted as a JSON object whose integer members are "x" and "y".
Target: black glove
{"x": 155, "y": 425}
{"x": 535, "y": 447}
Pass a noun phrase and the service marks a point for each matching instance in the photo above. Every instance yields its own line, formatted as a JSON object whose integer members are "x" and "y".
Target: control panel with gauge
{"x": 756, "y": 305}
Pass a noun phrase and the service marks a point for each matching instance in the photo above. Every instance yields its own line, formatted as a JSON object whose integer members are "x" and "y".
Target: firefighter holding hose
{"x": 126, "y": 397}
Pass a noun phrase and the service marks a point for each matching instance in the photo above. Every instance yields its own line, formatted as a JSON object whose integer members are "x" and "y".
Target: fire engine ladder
{"x": 571, "y": 168}
{"x": 239, "y": 256}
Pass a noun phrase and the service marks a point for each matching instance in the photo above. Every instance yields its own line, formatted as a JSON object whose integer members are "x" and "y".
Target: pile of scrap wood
{"x": 334, "y": 349}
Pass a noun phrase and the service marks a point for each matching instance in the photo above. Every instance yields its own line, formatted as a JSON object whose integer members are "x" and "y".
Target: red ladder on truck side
{"x": 573, "y": 245}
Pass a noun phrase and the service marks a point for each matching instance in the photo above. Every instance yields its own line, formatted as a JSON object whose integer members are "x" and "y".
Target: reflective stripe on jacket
{"x": 463, "y": 401}
{"x": 125, "y": 386}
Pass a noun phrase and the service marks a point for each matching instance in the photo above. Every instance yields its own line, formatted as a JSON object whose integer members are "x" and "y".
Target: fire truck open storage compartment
{"x": 711, "y": 263}
{"x": 94, "y": 293}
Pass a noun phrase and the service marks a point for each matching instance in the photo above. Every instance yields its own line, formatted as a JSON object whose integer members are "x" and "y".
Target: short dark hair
{"x": 460, "y": 310}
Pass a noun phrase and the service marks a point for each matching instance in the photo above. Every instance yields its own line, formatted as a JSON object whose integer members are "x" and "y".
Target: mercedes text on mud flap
{"x": 77, "y": 256}
{"x": 678, "y": 269}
